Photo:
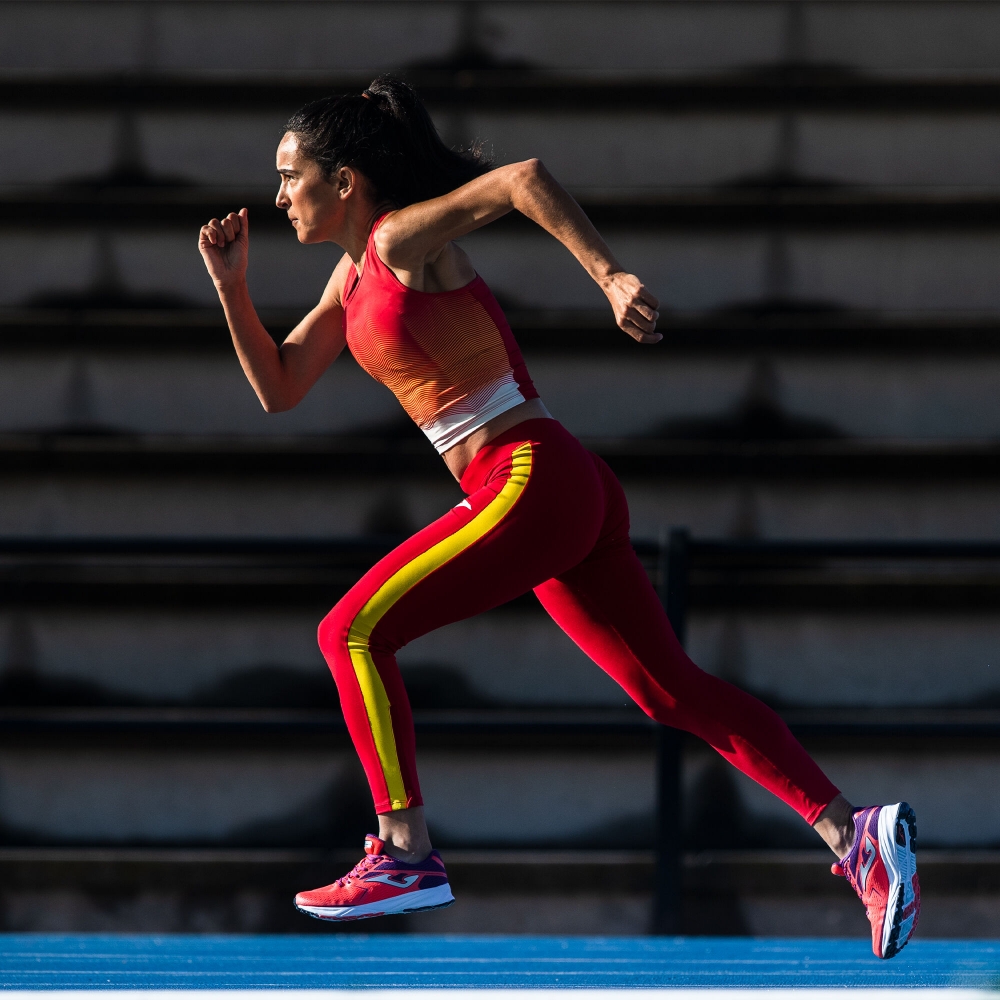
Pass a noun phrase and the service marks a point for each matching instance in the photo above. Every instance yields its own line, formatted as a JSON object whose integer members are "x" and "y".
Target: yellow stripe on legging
{"x": 359, "y": 634}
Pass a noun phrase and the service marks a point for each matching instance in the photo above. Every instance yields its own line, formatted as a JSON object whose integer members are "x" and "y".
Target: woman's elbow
{"x": 275, "y": 403}
{"x": 530, "y": 171}
{"x": 530, "y": 181}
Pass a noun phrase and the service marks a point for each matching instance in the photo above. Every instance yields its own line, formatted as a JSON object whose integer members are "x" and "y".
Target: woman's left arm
{"x": 415, "y": 236}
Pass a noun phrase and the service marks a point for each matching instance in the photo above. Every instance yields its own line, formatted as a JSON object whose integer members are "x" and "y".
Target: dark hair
{"x": 388, "y": 136}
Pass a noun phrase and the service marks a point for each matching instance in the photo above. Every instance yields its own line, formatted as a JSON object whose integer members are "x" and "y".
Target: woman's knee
{"x": 332, "y": 633}
{"x": 679, "y": 692}
{"x": 335, "y": 636}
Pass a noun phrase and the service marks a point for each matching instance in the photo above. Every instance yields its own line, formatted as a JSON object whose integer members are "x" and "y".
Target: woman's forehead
{"x": 288, "y": 150}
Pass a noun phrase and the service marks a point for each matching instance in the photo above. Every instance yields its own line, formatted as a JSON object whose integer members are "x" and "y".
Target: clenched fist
{"x": 224, "y": 247}
{"x": 635, "y": 307}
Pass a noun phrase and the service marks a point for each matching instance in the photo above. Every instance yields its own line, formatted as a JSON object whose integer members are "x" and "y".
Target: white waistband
{"x": 450, "y": 428}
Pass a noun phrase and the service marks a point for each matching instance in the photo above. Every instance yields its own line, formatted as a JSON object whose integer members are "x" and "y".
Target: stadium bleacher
{"x": 810, "y": 187}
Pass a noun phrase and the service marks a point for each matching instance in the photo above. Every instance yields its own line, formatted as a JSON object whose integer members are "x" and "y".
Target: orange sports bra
{"x": 449, "y": 357}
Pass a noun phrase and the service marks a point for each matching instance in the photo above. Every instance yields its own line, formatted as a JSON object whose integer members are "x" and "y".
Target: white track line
{"x": 459, "y": 993}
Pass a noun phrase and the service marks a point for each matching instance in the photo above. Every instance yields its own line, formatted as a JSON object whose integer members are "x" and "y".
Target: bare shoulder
{"x": 413, "y": 236}
{"x": 394, "y": 232}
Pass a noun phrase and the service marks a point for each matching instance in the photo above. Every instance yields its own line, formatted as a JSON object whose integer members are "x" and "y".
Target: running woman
{"x": 370, "y": 173}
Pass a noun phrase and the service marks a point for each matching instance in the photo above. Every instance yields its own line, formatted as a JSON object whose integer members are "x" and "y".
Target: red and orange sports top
{"x": 449, "y": 357}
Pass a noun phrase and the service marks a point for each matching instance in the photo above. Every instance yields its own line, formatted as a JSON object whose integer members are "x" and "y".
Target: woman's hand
{"x": 225, "y": 247}
{"x": 634, "y": 305}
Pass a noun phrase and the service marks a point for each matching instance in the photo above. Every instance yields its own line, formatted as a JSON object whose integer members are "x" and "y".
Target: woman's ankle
{"x": 410, "y": 857}
{"x": 836, "y": 826}
{"x": 405, "y": 835}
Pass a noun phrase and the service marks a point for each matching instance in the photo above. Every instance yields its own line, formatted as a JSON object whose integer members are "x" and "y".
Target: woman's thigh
{"x": 539, "y": 515}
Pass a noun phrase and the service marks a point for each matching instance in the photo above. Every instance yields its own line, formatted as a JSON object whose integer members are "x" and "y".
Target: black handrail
{"x": 876, "y": 549}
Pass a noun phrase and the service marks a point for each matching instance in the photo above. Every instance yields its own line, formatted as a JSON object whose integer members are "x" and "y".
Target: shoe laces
{"x": 358, "y": 870}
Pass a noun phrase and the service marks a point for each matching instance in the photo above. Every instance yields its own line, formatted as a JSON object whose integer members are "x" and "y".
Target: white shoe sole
{"x": 406, "y": 902}
{"x": 897, "y": 830}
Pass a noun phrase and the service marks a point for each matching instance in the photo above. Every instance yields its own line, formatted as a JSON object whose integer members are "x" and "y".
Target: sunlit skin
{"x": 321, "y": 209}
{"x": 417, "y": 244}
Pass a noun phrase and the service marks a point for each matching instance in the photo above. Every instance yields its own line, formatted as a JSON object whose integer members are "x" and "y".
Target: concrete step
{"x": 751, "y": 208}
{"x": 186, "y": 652}
{"x": 920, "y": 271}
{"x": 735, "y": 454}
{"x": 200, "y": 654}
{"x": 880, "y": 37}
{"x": 495, "y": 727}
{"x": 107, "y": 319}
{"x": 778, "y": 85}
{"x": 298, "y": 787}
{"x": 115, "y": 160}
{"x": 869, "y": 399}
{"x": 174, "y": 505}
{"x": 226, "y": 572}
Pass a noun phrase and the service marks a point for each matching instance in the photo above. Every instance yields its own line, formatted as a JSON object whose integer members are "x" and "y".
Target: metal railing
{"x": 732, "y": 574}
{"x": 687, "y": 572}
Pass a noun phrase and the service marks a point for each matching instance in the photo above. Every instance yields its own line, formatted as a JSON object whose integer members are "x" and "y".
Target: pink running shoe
{"x": 379, "y": 884}
{"x": 882, "y": 868}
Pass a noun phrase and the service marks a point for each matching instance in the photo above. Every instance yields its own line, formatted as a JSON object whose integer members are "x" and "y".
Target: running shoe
{"x": 882, "y": 868}
{"x": 379, "y": 884}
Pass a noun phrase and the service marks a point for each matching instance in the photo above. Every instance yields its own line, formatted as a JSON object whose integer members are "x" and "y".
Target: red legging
{"x": 542, "y": 514}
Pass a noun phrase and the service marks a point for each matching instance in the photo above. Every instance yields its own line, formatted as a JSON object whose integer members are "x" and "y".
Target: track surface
{"x": 388, "y": 962}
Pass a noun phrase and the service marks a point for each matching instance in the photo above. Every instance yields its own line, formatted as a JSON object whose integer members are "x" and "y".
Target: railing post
{"x": 674, "y": 580}
{"x": 673, "y": 583}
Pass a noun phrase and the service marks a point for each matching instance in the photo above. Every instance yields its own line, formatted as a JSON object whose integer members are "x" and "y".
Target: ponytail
{"x": 388, "y": 136}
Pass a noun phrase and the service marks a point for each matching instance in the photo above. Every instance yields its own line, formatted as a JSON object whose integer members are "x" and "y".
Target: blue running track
{"x": 390, "y": 962}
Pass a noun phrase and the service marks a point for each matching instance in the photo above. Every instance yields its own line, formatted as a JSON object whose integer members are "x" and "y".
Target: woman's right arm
{"x": 415, "y": 236}
{"x": 281, "y": 376}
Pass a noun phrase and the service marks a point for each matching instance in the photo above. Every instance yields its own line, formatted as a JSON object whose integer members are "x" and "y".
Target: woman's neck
{"x": 358, "y": 226}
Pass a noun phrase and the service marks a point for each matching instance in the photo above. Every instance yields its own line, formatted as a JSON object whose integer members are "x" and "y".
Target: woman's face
{"x": 315, "y": 205}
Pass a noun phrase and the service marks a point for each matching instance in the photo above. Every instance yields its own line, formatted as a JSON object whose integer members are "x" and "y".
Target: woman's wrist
{"x": 605, "y": 278}
{"x": 235, "y": 286}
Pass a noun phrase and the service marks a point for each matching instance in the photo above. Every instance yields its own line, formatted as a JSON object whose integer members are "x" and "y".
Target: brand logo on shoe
{"x": 400, "y": 881}
{"x": 868, "y": 854}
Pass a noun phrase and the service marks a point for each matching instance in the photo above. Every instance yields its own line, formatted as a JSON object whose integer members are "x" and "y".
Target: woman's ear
{"x": 345, "y": 182}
